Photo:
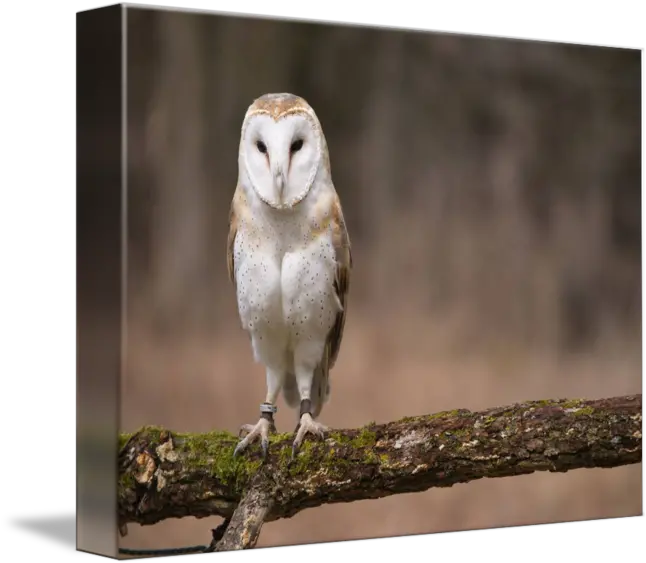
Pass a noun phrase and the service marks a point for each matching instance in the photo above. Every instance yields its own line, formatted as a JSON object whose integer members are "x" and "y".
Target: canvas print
{"x": 340, "y": 282}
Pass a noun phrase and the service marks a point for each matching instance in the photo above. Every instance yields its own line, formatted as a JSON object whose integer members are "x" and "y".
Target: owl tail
{"x": 321, "y": 384}
{"x": 320, "y": 389}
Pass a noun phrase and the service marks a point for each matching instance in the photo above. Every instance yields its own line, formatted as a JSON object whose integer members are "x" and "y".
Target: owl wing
{"x": 343, "y": 253}
{"x": 234, "y": 217}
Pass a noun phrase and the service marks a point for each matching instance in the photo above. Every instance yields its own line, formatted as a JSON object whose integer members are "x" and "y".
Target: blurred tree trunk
{"x": 381, "y": 146}
{"x": 175, "y": 136}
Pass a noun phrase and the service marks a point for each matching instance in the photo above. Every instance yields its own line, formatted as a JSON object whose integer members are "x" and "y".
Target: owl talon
{"x": 245, "y": 429}
{"x": 307, "y": 425}
{"x": 259, "y": 431}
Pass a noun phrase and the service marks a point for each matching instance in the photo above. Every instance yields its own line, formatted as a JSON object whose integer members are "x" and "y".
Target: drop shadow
{"x": 58, "y": 528}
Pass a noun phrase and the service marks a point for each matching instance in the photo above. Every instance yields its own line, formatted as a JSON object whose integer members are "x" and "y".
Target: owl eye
{"x": 297, "y": 145}
{"x": 261, "y": 146}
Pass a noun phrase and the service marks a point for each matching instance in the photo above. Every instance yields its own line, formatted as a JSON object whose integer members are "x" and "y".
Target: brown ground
{"x": 388, "y": 368}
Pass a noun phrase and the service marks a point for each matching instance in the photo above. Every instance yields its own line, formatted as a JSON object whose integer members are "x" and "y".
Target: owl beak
{"x": 280, "y": 182}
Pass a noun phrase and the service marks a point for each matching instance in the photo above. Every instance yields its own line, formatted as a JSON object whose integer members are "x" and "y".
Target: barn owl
{"x": 288, "y": 256}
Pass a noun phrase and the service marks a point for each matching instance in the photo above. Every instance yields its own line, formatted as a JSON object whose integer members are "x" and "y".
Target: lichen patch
{"x": 145, "y": 468}
{"x": 161, "y": 480}
{"x": 409, "y": 440}
{"x": 166, "y": 452}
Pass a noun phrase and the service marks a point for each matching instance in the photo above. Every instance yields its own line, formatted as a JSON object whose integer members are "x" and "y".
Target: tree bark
{"x": 247, "y": 520}
{"x": 166, "y": 475}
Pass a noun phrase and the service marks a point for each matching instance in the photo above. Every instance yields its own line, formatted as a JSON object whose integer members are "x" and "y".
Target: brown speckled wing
{"x": 341, "y": 242}
{"x": 233, "y": 230}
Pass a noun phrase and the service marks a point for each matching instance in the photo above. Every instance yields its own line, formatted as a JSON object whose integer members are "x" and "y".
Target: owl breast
{"x": 309, "y": 303}
{"x": 285, "y": 282}
{"x": 258, "y": 283}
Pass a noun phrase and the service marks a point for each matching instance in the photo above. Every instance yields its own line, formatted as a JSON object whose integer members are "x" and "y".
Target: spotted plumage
{"x": 289, "y": 258}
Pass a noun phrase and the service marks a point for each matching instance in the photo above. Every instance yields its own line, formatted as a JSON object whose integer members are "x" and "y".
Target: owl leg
{"x": 306, "y": 425}
{"x": 265, "y": 424}
{"x": 305, "y": 362}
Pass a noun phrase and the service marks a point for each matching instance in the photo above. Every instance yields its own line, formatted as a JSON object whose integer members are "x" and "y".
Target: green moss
{"x": 314, "y": 455}
{"x": 127, "y": 481}
{"x": 153, "y": 433}
{"x": 443, "y": 414}
{"x": 339, "y": 437}
{"x": 309, "y": 455}
{"x": 365, "y": 439}
{"x": 123, "y": 439}
{"x": 284, "y": 455}
{"x": 583, "y": 411}
{"x": 542, "y": 403}
{"x": 213, "y": 452}
{"x": 275, "y": 438}
{"x": 462, "y": 433}
{"x": 371, "y": 457}
{"x": 571, "y": 404}
{"x": 435, "y": 416}
{"x": 336, "y": 466}
{"x": 408, "y": 419}
{"x": 303, "y": 460}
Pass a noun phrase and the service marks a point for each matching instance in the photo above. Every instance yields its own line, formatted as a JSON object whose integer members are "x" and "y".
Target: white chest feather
{"x": 285, "y": 277}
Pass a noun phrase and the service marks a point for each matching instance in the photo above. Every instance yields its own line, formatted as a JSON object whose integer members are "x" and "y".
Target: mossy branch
{"x": 168, "y": 475}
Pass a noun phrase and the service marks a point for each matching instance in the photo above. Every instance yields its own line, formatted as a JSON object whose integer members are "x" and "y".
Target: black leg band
{"x": 306, "y": 407}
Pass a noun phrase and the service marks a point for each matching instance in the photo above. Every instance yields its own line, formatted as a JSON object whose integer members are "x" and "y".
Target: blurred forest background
{"x": 492, "y": 193}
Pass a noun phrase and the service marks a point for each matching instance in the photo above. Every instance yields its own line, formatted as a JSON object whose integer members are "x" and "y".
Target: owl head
{"x": 281, "y": 149}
